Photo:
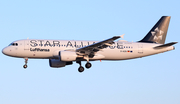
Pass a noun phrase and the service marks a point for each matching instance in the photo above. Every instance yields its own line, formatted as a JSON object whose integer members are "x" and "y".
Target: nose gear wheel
{"x": 25, "y": 66}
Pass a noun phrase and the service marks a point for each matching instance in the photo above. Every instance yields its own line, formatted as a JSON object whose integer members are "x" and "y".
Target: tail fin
{"x": 158, "y": 33}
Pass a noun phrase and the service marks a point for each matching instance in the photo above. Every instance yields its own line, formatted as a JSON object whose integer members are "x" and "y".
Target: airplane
{"x": 64, "y": 52}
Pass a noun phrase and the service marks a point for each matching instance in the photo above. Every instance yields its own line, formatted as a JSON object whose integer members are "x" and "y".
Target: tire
{"x": 25, "y": 66}
{"x": 88, "y": 65}
{"x": 81, "y": 69}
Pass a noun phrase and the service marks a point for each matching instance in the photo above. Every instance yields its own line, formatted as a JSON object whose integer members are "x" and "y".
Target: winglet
{"x": 122, "y": 36}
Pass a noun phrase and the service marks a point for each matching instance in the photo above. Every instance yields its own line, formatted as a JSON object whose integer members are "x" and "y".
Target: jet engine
{"x": 67, "y": 55}
{"x": 62, "y": 58}
{"x": 57, "y": 63}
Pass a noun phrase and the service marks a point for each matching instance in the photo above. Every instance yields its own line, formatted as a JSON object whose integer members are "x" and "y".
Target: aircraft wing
{"x": 91, "y": 49}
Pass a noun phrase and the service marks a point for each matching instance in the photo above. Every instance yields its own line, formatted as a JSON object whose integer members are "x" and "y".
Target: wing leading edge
{"x": 91, "y": 49}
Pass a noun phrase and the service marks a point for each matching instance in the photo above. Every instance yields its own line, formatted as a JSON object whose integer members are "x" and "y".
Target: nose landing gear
{"x": 25, "y": 65}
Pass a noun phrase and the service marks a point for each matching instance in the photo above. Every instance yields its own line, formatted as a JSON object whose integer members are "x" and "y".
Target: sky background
{"x": 149, "y": 80}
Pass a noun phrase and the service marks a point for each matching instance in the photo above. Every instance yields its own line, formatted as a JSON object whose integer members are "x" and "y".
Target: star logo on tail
{"x": 155, "y": 34}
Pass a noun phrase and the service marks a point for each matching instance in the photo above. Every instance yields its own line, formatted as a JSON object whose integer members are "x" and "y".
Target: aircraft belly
{"x": 123, "y": 54}
{"x": 118, "y": 54}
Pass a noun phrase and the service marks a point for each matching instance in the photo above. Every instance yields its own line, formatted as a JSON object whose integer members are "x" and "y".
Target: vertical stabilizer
{"x": 158, "y": 33}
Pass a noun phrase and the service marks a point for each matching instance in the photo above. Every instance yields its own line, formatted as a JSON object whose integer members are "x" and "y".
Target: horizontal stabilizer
{"x": 165, "y": 45}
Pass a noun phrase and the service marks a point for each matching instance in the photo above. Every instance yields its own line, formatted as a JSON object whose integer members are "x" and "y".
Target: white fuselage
{"x": 48, "y": 49}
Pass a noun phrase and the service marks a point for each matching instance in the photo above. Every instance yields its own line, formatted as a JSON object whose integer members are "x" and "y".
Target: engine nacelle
{"x": 67, "y": 55}
{"x": 56, "y": 63}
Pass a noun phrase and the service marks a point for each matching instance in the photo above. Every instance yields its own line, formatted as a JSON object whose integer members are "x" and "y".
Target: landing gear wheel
{"x": 81, "y": 69}
{"x": 25, "y": 66}
{"x": 88, "y": 65}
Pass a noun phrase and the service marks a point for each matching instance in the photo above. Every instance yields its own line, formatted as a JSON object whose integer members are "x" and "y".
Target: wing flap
{"x": 91, "y": 49}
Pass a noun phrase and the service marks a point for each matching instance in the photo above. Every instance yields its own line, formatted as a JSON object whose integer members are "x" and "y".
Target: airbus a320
{"x": 64, "y": 52}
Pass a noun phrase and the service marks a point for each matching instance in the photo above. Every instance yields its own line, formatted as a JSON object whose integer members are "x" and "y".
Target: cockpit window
{"x": 14, "y": 44}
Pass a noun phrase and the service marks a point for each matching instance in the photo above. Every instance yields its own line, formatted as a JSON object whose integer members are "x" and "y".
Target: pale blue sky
{"x": 149, "y": 80}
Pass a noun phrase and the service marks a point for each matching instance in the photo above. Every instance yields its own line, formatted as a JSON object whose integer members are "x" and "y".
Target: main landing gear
{"x": 25, "y": 65}
{"x": 88, "y": 65}
{"x": 81, "y": 68}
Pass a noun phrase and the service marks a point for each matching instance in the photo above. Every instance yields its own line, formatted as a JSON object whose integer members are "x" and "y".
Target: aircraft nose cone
{"x": 5, "y": 51}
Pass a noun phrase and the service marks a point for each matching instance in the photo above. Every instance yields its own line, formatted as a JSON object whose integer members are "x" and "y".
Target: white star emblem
{"x": 155, "y": 32}
{"x": 158, "y": 37}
